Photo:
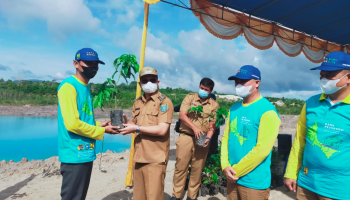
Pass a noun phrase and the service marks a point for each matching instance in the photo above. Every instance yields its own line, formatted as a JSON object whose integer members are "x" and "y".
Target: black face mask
{"x": 89, "y": 72}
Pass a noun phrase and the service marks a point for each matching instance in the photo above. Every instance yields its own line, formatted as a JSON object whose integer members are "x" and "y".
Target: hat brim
{"x": 329, "y": 68}
{"x": 99, "y": 61}
{"x": 239, "y": 76}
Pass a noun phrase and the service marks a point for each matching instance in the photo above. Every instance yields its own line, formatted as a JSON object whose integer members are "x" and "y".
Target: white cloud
{"x": 155, "y": 55}
{"x": 63, "y": 17}
{"x": 157, "y": 52}
{"x": 126, "y": 11}
{"x": 59, "y": 76}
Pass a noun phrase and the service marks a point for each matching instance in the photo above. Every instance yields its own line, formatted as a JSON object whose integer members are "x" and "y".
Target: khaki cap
{"x": 148, "y": 71}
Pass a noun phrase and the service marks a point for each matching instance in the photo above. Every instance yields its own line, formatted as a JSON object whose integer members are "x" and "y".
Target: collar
{"x": 80, "y": 81}
{"x": 324, "y": 97}
{"x": 153, "y": 97}
{"x": 248, "y": 104}
{"x": 199, "y": 99}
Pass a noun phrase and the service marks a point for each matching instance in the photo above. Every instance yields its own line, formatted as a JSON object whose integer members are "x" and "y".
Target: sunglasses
{"x": 153, "y": 80}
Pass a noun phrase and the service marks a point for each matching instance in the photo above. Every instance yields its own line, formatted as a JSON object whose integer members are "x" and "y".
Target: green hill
{"x": 38, "y": 93}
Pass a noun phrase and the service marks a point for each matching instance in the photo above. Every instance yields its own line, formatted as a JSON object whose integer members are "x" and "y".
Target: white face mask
{"x": 330, "y": 86}
{"x": 149, "y": 87}
{"x": 243, "y": 91}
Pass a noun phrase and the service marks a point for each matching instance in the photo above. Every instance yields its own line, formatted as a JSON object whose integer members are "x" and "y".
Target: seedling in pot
{"x": 108, "y": 91}
{"x": 129, "y": 67}
{"x": 221, "y": 114}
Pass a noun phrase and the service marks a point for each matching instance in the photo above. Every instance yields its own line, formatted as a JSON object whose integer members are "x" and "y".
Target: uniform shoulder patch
{"x": 164, "y": 107}
{"x": 161, "y": 97}
{"x": 138, "y": 98}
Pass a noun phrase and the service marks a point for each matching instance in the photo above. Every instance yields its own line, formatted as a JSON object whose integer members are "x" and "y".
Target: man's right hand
{"x": 197, "y": 132}
{"x": 290, "y": 184}
{"x": 111, "y": 129}
{"x": 229, "y": 173}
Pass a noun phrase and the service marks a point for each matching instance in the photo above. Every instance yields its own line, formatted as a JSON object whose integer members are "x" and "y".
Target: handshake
{"x": 129, "y": 127}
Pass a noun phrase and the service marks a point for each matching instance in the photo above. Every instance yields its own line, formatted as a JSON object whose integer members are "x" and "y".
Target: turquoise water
{"x": 36, "y": 138}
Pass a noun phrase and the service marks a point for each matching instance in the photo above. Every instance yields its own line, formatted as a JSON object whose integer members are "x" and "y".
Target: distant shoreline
{"x": 45, "y": 111}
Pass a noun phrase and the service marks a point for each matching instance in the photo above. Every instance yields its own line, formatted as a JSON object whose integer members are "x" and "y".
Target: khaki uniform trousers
{"x": 187, "y": 151}
{"x": 239, "y": 192}
{"x": 149, "y": 181}
{"x": 305, "y": 194}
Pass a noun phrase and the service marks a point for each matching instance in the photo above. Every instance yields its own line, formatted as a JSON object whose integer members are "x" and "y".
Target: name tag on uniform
{"x": 137, "y": 108}
{"x": 163, "y": 107}
{"x": 193, "y": 104}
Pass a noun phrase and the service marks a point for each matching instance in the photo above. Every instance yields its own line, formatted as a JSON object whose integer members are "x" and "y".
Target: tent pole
{"x": 128, "y": 179}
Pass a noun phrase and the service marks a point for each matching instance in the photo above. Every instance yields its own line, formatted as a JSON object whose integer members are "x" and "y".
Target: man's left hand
{"x": 105, "y": 123}
{"x": 128, "y": 128}
{"x": 207, "y": 142}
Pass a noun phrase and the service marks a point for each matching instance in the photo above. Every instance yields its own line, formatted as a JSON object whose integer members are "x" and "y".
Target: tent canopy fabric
{"x": 326, "y": 19}
{"x": 228, "y": 23}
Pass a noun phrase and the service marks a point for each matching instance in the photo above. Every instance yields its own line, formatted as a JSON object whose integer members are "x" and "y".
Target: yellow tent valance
{"x": 151, "y": 1}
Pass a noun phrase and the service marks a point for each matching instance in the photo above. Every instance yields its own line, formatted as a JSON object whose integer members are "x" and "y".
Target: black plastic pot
{"x": 214, "y": 190}
{"x": 117, "y": 118}
{"x": 204, "y": 190}
{"x": 201, "y": 141}
{"x": 223, "y": 191}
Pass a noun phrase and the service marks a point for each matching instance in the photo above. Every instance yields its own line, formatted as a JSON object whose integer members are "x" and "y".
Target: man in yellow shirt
{"x": 77, "y": 128}
{"x": 250, "y": 133}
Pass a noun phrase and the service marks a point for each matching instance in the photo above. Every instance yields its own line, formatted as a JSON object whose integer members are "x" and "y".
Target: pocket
{"x": 152, "y": 117}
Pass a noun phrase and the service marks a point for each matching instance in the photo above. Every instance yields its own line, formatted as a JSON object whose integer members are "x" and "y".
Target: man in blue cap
{"x": 77, "y": 128}
{"x": 248, "y": 139}
{"x": 318, "y": 166}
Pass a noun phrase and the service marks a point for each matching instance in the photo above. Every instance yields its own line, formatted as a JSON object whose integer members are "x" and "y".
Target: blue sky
{"x": 38, "y": 40}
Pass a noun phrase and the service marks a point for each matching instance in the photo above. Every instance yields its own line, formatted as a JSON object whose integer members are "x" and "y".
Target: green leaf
{"x": 205, "y": 182}
{"x": 109, "y": 81}
{"x": 107, "y": 94}
{"x": 114, "y": 73}
{"x": 215, "y": 178}
{"x": 95, "y": 101}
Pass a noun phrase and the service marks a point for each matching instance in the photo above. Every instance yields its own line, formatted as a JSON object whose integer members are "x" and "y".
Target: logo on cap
{"x": 243, "y": 71}
{"x": 330, "y": 60}
{"x": 90, "y": 53}
{"x": 78, "y": 55}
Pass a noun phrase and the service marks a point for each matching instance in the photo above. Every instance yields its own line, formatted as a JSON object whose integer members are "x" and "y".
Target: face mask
{"x": 243, "y": 91}
{"x": 203, "y": 94}
{"x": 149, "y": 87}
{"x": 89, "y": 72}
{"x": 330, "y": 86}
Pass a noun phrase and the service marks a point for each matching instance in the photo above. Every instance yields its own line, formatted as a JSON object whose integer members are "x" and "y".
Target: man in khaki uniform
{"x": 191, "y": 128}
{"x": 151, "y": 118}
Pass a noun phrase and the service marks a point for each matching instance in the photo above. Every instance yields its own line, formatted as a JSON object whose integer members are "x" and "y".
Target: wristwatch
{"x": 138, "y": 129}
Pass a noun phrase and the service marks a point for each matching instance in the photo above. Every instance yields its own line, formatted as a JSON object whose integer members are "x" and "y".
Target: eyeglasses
{"x": 153, "y": 80}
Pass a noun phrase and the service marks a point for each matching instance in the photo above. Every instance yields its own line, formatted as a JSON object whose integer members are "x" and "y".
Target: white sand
{"x": 25, "y": 180}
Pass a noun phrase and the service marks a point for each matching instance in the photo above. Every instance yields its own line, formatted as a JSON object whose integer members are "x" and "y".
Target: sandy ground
{"x": 39, "y": 179}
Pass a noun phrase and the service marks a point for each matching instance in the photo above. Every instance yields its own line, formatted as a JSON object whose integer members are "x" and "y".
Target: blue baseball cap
{"x": 87, "y": 54}
{"x": 337, "y": 60}
{"x": 247, "y": 72}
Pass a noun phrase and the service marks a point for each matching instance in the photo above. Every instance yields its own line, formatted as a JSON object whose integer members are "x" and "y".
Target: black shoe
{"x": 174, "y": 198}
{"x": 188, "y": 198}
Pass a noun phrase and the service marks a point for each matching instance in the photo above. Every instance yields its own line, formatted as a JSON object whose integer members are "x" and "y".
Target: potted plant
{"x": 221, "y": 114}
{"x": 108, "y": 90}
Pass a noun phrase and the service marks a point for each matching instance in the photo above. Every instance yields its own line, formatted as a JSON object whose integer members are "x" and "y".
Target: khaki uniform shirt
{"x": 150, "y": 112}
{"x": 209, "y": 106}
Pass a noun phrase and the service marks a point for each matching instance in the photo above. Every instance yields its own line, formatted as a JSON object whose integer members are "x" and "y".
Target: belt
{"x": 187, "y": 134}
